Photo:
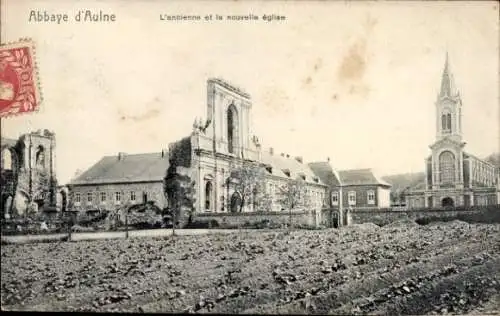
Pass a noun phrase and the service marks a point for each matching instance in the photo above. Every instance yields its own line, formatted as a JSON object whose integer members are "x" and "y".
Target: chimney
{"x": 328, "y": 159}
{"x": 299, "y": 159}
{"x": 282, "y": 155}
{"x": 287, "y": 156}
{"x": 271, "y": 150}
{"x": 121, "y": 155}
{"x": 164, "y": 153}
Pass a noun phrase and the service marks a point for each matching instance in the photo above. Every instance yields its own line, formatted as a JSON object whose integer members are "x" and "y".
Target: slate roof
{"x": 325, "y": 172}
{"x": 332, "y": 177}
{"x": 360, "y": 177}
{"x": 280, "y": 163}
{"x": 150, "y": 167}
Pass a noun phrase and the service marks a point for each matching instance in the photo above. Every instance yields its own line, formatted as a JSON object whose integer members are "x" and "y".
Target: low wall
{"x": 380, "y": 217}
{"x": 230, "y": 220}
{"x": 23, "y": 239}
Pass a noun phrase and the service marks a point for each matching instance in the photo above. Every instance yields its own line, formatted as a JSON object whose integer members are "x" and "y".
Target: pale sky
{"x": 355, "y": 82}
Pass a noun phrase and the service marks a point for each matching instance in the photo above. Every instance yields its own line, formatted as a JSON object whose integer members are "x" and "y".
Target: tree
{"x": 180, "y": 192}
{"x": 247, "y": 179}
{"x": 293, "y": 194}
{"x": 264, "y": 201}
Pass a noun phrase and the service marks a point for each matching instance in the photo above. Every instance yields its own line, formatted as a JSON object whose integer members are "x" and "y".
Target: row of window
{"x": 117, "y": 197}
{"x": 483, "y": 174}
{"x": 315, "y": 195}
{"x": 351, "y": 197}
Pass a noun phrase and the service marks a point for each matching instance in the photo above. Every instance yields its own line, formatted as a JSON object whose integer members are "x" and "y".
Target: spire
{"x": 448, "y": 88}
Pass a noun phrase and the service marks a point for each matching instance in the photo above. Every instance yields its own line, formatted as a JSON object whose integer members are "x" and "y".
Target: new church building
{"x": 453, "y": 176}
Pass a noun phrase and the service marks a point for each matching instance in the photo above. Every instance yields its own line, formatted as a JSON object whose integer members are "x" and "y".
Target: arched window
{"x": 255, "y": 198}
{"x": 236, "y": 202}
{"x": 448, "y": 121}
{"x": 443, "y": 122}
{"x": 232, "y": 128}
{"x": 447, "y": 167}
{"x": 40, "y": 157}
{"x": 7, "y": 159}
{"x": 208, "y": 195}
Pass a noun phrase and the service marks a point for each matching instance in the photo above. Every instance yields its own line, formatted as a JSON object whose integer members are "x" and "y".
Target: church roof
{"x": 150, "y": 167}
{"x": 361, "y": 177}
{"x": 490, "y": 160}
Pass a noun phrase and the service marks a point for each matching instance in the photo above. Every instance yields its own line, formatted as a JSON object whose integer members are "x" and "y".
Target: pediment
{"x": 447, "y": 142}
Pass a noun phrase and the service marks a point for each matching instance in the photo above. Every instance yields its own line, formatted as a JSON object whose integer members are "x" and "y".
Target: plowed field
{"x": 401, "y": 268}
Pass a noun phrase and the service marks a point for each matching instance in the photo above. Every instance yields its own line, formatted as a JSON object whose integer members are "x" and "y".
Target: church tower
{"x": 228, "y": 112}
{"x": 445, "y": 167}
{"x": 448, "y": 108}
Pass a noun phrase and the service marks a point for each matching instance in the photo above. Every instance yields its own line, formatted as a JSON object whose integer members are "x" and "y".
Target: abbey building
{"x": 453, "y": 177}
{"x": 222, "y": 144}
{"x": 28, "y": 179}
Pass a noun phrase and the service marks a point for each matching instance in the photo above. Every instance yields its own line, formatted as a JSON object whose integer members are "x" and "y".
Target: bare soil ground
{"x": 401, "y": 268}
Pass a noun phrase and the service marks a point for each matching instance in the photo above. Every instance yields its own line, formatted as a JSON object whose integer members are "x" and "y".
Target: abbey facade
{"x": 453, "y": 177}
{"x": 28, "y": 180}
{"x": 223, "y": 143}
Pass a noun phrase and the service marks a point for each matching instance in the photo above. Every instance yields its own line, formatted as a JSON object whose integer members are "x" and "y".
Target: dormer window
{"x": 302, "y": 176}
{"x": 286, "y": 172}
{"x": 315, "y": 179}
{"x": 269, "y": 169}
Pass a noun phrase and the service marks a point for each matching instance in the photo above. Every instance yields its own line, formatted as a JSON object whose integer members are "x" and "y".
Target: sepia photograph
{"x": 250, "y": 157}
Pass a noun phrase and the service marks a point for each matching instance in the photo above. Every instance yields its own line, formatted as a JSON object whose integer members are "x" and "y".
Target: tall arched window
{"x": 255, "y": 200}
{"x": 40, "y": 157}
{"x": 208, "y": 195}
{"x": 232, "y": 128}
{"x": 7, "y": 159}
{"x": 443, "y": 122}
{"x": 448, "y": 121}
{"x": 447, "y": 167}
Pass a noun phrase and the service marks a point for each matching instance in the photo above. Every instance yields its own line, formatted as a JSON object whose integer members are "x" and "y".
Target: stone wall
{"x": 385, "y": 217}
{"x": 302, "y": 218}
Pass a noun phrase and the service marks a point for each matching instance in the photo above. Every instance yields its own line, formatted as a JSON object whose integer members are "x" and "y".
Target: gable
{"x": 447, "y": 142}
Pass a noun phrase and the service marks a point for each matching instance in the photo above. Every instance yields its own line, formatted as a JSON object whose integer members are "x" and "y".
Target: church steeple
{"x": 448, "y": 88}
{"x": 448, "y": 105}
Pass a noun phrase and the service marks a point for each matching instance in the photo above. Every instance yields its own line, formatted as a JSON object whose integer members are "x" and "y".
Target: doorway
{"x": 235, "y": 202}
{"x": 447, "y": 202}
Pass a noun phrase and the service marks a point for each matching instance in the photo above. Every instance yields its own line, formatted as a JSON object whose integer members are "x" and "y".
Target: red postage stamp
{"x": 19, "y": 89}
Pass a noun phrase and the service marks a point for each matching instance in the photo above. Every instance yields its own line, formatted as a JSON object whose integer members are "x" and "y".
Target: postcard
{"x": 250, "y": 156}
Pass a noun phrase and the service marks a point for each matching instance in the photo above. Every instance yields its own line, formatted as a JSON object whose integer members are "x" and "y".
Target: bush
{"x": 202, "y": 224}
